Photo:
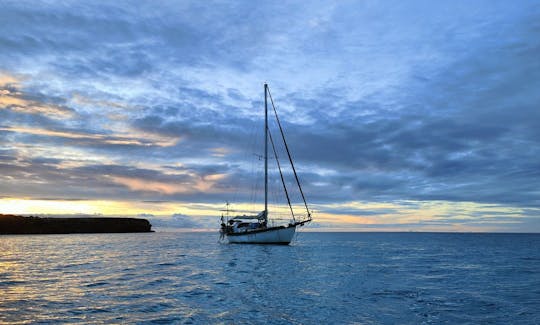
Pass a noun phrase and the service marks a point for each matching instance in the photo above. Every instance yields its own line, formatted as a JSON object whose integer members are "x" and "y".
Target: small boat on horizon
{"x": 255, "y": 229}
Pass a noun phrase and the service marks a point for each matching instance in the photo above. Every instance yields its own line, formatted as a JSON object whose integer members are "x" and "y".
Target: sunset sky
{"x": 401, "y": 115}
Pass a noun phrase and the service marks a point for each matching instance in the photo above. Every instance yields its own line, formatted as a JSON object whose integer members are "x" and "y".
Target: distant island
{"x": 19, "y": 225}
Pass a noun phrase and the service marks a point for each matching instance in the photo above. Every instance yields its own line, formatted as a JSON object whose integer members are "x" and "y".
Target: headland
{"x": 19, "y": 225}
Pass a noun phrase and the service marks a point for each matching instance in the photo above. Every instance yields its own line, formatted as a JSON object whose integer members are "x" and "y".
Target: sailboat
{"x": 256, "y": 229}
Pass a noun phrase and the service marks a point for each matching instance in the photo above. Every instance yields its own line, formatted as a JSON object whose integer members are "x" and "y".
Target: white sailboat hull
{"x": 270, "y": 236}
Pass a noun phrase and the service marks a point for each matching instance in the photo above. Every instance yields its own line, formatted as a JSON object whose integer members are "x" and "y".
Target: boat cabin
{"x": 242, "y": 224}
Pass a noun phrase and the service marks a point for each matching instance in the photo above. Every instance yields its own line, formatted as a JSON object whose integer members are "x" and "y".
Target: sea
{"x": 321, "y": 278}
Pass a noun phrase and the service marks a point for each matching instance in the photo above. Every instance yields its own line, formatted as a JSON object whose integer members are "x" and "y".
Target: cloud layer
{"x": 382, "y": 103}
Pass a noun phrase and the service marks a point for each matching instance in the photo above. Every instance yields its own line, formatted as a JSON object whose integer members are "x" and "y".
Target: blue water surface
{"x": 325, "y": 278}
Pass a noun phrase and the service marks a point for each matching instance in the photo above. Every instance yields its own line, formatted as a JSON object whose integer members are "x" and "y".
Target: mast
{"x": 265, "y": 155}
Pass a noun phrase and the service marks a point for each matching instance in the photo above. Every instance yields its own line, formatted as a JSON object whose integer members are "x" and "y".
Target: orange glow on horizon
{"x": 104, "y": 207}
{"x": 402, "y": 218}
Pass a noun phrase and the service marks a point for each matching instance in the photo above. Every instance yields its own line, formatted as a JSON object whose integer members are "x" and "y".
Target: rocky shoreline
{"x": 19, "y": 225}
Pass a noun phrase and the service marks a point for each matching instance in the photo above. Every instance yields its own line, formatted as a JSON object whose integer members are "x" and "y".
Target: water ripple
{"x": 186, "y": 278}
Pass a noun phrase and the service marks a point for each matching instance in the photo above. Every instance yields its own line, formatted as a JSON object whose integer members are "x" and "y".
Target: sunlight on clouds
{"x": 145, "y": 140}
{"x": 193, "y": 185}
{"x": 406, "y": 216}
{"x": 9, "y": 100}
{"x": 61, "y": 134}
{"x": 21, "y": 206}
{"x": 220, "y": 152}
{"x": 30, "y": 206}
{"x": 206, "y": 183}
{"x": 8, "y": 80}
{"x": 104, "y": 207}
{"x": 143, "y": 185}
{"x": 156, "y": 139}
{"x": 70, "y": 157}
{"x": 416, "y": 215}
{"x": 13, "y": 99}
{"x": 344, "y": 219}
{"x": 83, "y": 100}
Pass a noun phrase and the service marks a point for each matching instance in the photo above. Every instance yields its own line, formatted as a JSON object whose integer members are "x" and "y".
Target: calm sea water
{"x": 326, "y": 278}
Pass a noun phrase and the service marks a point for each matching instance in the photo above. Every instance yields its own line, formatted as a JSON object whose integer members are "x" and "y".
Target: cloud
{"x": 380, "y": 103}
{"x": 11, "y": 98}
{"x": 179, "y": 220}
{"x": 93, "y": 139}
{"x": 203, "y": 184}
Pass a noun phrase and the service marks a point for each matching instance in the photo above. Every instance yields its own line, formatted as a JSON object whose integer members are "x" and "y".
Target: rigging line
{"x": 281, "y": 175}
{"x": 289, "y": 153}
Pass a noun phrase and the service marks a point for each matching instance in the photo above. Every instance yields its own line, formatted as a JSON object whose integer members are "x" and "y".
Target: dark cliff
{"x": 12, "y": 224}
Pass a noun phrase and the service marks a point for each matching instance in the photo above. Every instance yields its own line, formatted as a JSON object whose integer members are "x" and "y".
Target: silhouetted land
{"x": 12, "y": 224}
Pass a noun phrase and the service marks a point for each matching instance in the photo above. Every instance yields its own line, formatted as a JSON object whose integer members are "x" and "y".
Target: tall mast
{"x": 265, "y": 155}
